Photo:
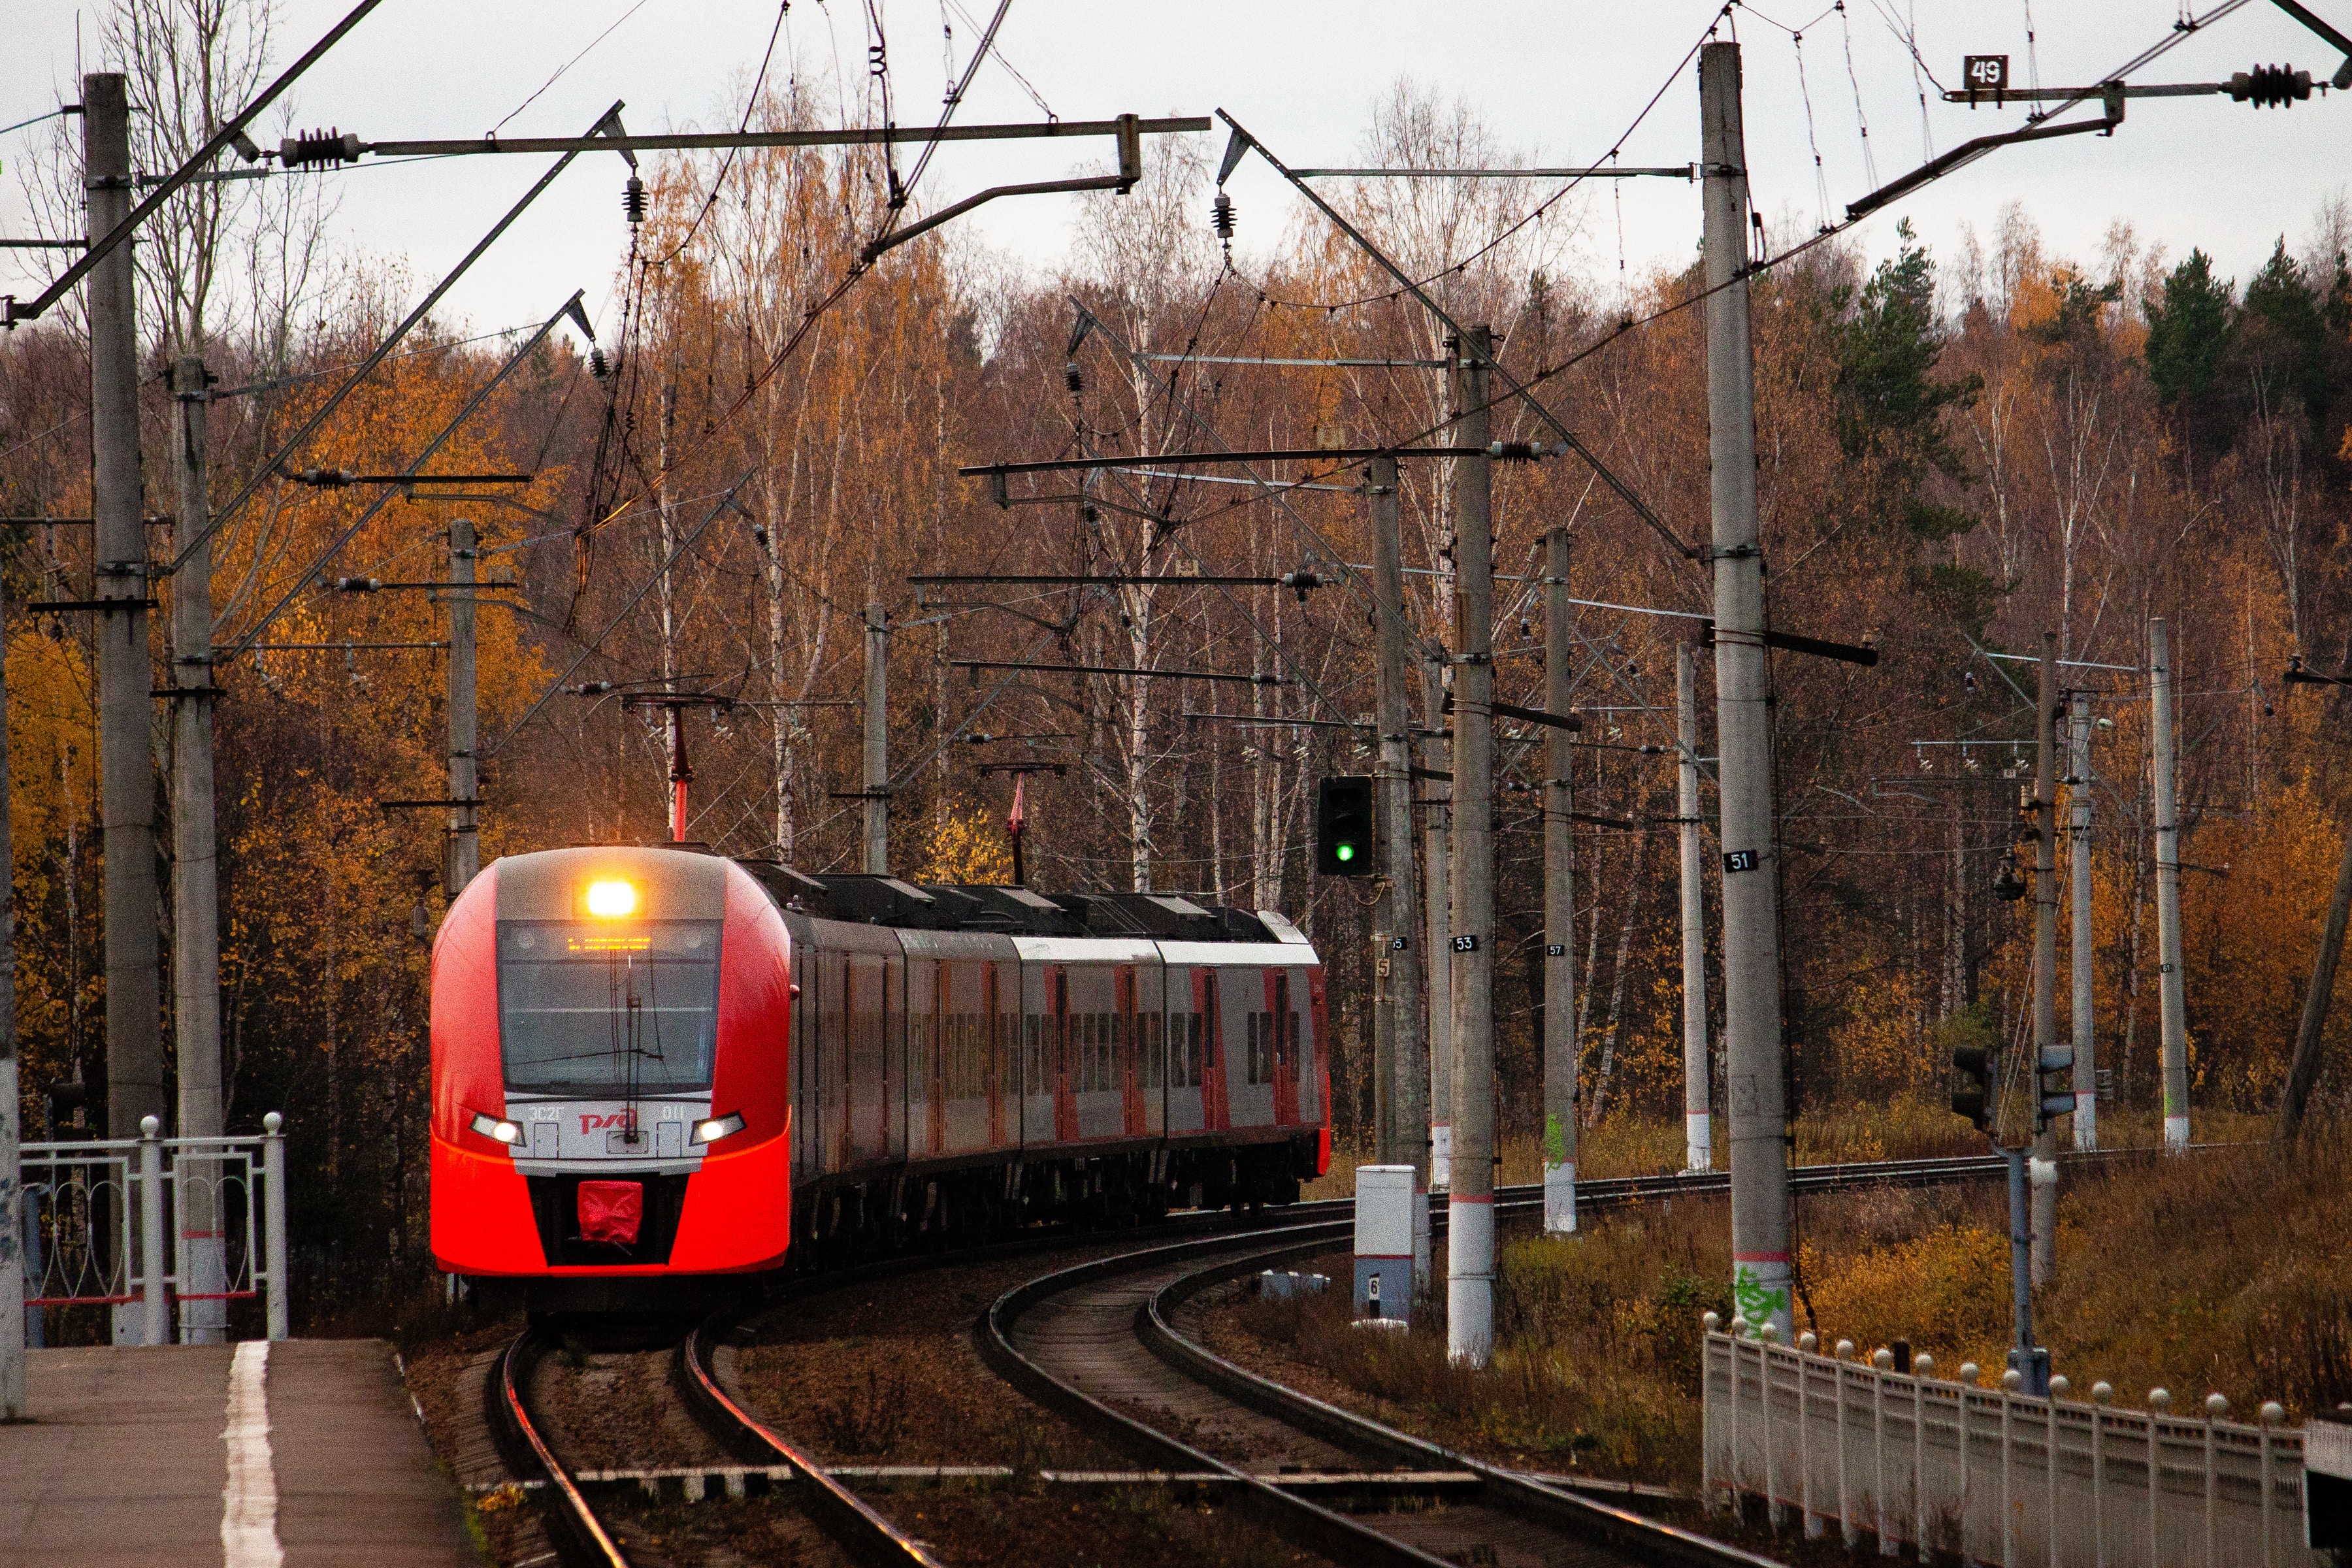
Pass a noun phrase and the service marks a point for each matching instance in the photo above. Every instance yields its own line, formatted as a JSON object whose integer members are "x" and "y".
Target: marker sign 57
{"x": 1985, "y": 73}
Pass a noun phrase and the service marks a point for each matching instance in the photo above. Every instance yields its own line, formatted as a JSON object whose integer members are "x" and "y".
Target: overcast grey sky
{"x": 1561, "y": 81}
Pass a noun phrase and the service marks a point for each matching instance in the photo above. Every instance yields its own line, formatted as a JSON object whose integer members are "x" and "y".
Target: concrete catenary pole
{"x": 195, "y": 894}
{"x": 877, "y": 741}
{"x": 2174, "y": 1011}
{"x": 465, "y": 852}
{"x": 1751, "y": 918}
{"x": 126, "y": 747}
{"x": 2078, "y": 850}
{"x": 1470, "y": 1205}
{"x": 1437, "y": 910}
{"x": 135, "y": 1055}
{"x": 1407, "y": 1098}
{"x": 1699, "y": 1078}
{"x": 2044, "y": 1169}
{"x": 12, "y": 1256}
{"x": 1559, "y": 907}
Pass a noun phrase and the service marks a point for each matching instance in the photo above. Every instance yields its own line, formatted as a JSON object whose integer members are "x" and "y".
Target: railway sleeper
{"x": 1352, "y": 1489}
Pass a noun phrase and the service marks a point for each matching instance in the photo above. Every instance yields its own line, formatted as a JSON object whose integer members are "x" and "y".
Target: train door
{"x": 1249, "y": 1030}
{"x": 1216, "y": 1111}
{"x": 992, "y": 1010}
{"x": 839, "y": 1110}
{"x": 933, "y": 1077}
{"x": 891, "y": 1049}
{"x": 807, "y": 1059}
{"x": 1036, "y": 1076}
{"x": 1152, "y": 1043}
{"x": 1313, "y": 1065}
{"x": 1284, "y": 1031}
{"x": 1065, "y": 1104}
{"x": 1127, "y": 1037}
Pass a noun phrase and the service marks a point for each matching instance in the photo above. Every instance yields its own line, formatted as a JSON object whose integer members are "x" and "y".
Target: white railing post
{"x": 1880, "y": 1359}
{"x": 2216, "y": 1406}
{"x": 2158, "y": 1402}
{"x": 2050, "y": 1465}
{"x": 1773, "y": 1512}
{"x": 2100, "y": 1393}
{"x": 1960, "y": 1410}
{"x": 2273, "y": 1413}
{"x": 1923, "y": 1367}
{"x": 1809, "y": 1343}
{"x": 273, "y": 1218}
{"x": 1706, "y": 1407}
{"x": 1846, "y": 1532}
{"x": 151, "y": 1230}
{"x": 2007, "y": 1473}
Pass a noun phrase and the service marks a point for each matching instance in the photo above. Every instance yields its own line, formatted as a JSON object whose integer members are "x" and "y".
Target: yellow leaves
{"x": 964, "y": 843}
{"x": 52, "y": 744}
{"x": 1946, "y": 1291}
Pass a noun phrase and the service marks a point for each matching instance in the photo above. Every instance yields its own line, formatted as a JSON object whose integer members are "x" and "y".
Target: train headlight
{"x": 719, "y": 1127}
{"x": 612, "y": 900}
{"x": 498, "y": 1132}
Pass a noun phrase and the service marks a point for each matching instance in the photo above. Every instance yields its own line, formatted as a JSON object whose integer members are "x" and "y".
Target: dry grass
{"x": 2229, "y": 1271}
{"x": 1613, "y": 1394}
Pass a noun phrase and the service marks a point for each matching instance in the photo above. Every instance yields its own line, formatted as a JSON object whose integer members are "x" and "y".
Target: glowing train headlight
{"x": 719, "y": 1127}
{"x": 610, "y": 900}
{"x": 498, "y": 1132}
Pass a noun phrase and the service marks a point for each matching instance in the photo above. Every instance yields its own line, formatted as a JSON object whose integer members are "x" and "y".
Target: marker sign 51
{"x": 1985, "y": 73}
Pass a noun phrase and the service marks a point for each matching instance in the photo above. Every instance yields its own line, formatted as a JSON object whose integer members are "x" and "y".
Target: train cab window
{"x": 600, "y": 1007}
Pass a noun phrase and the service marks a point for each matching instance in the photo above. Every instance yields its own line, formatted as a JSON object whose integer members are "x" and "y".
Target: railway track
{"x": 1074, "y": 1341}
{"x": 582, "y": 1534}
{"x": 1325, "y": 1477}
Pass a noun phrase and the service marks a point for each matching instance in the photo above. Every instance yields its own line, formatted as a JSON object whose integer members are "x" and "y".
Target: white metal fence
{"x": 136, "y": 1223}
{"x": 1971, "y": 1471}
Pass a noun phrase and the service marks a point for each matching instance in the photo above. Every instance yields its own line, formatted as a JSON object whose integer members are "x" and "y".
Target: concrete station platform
{"x": 252, "y": 1455}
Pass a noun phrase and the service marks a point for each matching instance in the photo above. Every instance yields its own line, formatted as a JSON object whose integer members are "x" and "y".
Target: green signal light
{"x": 1344, "y": 852}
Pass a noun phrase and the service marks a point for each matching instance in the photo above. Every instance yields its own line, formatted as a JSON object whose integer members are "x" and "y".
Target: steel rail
{"x": 1611, "y": 1529}
{"x": 1306, "y": 1523}
{"x": 1618, "y": 1529}
{"x": 858, "y": 1529}
{"x": 575, "y": 1521}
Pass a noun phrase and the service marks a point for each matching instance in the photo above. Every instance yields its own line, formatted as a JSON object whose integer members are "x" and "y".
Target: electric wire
{"x": 1805, "y": 92}
{"x": 751, "y": 107}
{"x": 1538, "y": 211}
{"x": 491, "y": 134}
{"x": 1861, "y": 118}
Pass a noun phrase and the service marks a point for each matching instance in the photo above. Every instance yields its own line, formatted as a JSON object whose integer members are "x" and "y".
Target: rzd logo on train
{"x": 619, "y": 1121}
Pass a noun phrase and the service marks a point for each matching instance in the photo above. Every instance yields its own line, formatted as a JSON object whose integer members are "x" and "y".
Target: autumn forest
{"x": 1963, "y": 446}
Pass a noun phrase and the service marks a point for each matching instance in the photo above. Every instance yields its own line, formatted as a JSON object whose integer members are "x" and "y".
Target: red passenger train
{"x": 655, "y": 1071}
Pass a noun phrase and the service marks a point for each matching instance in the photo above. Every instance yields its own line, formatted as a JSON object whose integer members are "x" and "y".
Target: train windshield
{"x": 609, "y": 1011}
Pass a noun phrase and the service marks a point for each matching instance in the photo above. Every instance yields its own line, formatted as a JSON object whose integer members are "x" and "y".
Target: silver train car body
{"x": 966, "y": 1058}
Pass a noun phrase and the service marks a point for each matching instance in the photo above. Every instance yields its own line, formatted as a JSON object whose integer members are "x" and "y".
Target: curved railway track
{"x": 1075, "y": 1340}
{"x": 1071, "y": 1340}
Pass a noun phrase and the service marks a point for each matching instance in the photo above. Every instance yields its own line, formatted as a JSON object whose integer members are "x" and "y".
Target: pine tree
{"x": 2187, "y": 330}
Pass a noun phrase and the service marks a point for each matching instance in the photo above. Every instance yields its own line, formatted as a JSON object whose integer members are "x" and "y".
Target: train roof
{"x": 861, "y": 900}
